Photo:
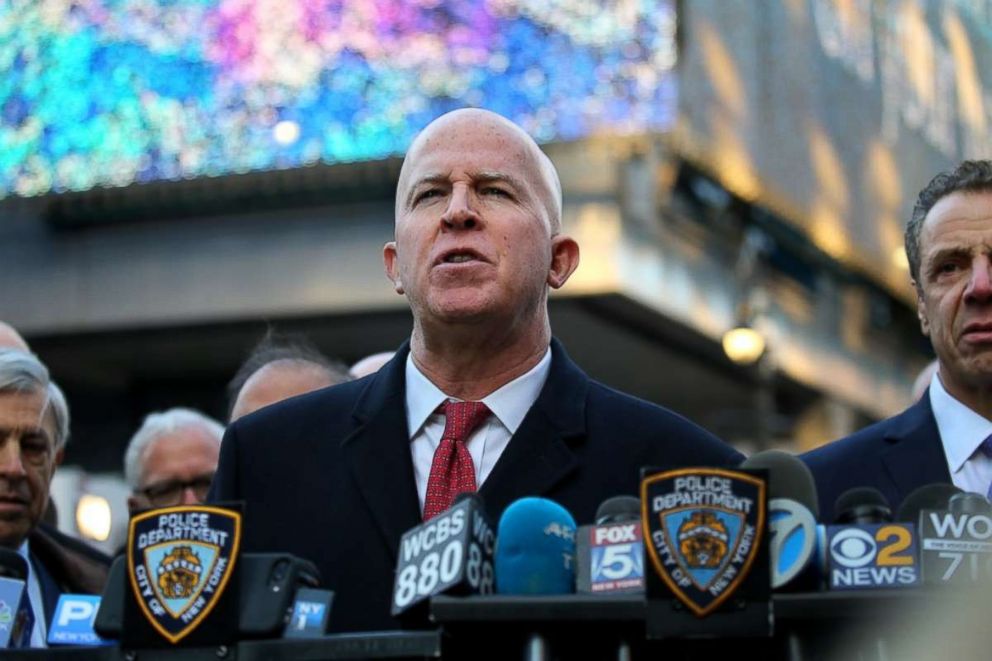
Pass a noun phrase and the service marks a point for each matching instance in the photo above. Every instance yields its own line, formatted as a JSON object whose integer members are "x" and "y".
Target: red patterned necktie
{"x": 452, "y": 470}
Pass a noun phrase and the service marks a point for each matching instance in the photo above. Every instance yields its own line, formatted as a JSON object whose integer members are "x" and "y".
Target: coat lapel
{"x": 378, "y": 452}
{"x": 915, "y": 456}
{"x": 538, "y": 456}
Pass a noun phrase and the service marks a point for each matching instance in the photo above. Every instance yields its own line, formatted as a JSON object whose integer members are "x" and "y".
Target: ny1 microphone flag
{"x": 180, "y": 562}
{"x": 704, "y": 538}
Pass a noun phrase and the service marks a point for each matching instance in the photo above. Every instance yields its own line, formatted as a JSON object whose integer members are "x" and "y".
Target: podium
{"x": 373, "y": 645}
{"x": 807, "y": 627}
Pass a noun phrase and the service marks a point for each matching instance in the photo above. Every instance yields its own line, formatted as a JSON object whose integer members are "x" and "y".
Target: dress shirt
{"x": 961, "y": 433}
{"x": 508, "y": 404}
{"x": 39, "y": 633}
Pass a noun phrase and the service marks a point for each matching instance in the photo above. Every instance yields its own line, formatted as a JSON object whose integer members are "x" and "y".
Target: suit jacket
{"x": 65, "y": 565}
{"x": 328, "y": 475}
{"x": 895, "y": 456}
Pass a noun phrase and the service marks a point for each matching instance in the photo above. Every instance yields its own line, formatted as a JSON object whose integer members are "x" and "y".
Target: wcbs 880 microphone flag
{"x": 450, "y": 554}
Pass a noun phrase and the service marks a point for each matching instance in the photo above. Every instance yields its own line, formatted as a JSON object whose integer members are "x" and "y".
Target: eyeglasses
{"x": 170, "y": 492}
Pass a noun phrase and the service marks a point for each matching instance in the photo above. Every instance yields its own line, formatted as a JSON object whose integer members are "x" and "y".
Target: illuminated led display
{"x": 112, "y": 92}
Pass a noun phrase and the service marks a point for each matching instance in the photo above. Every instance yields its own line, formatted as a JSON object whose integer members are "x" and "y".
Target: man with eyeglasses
{"x": 171, "y": 459}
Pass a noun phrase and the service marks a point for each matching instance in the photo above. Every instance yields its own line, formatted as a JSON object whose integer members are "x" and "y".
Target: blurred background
{"x": 179, "y": 176}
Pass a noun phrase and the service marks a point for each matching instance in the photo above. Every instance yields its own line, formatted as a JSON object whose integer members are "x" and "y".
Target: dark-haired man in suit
{"x": 945, "y": 436}
{"x": 481, "y": 397}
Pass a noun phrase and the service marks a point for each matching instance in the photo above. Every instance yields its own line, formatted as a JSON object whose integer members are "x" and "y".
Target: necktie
{"x": 986, "y": 449}
{"x": 452, "y": 470}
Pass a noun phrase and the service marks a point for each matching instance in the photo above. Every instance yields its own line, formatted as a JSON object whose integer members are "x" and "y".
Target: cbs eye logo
{"x": 856, "y": 547}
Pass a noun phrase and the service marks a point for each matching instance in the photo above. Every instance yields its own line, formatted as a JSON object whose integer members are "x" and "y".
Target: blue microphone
{"x": 535, "y": 548}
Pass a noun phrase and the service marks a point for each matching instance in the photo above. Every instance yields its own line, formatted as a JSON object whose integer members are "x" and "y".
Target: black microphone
{"x": 618, "y": 509}
{"x": 862, "y": 505}
{"x": 928, "y": 497}
{"x": 611, "y": 553}
{"x": 968, "y": 502}
{"x": 450, "y": 554}
{"x": 16, "y": 618}
{"x": 792, "y": 514}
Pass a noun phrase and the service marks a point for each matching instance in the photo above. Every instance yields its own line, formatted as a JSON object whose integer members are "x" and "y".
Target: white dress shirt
{"x": 38, "y": 634}
{"x": 961, "y": 433}
{"x": 509, "y": 404}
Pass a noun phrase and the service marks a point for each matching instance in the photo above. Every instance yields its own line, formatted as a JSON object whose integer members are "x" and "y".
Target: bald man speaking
{"x": 480, "y": 398}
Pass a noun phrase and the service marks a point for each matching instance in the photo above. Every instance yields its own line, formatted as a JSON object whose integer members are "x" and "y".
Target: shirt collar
{"x": 24, "y": 550}
{"x": 961, "y": 429}
{"x": 509, "y": 403}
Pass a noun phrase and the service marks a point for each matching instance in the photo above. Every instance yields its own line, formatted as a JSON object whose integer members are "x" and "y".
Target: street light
{"x": 743, "y": 344}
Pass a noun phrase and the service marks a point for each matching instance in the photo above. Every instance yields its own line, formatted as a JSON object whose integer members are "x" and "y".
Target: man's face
{"x": 177, "y": 469}
{"x": 473, "y": 226}
{"x": 28, "y": 458}
{"x": 955, "y": 289}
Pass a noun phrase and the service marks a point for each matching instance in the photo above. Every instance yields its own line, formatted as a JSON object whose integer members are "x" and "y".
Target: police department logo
{"x": 704, "y": 528}
{"x": 179, "y": 561}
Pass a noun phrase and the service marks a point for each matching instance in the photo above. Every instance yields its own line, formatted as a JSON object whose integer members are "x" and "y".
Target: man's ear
{"x": 59, "y": 456}
{"x": 564, "y": 260}
{"x": 392, "y": 265}
{"x": 921, "y": 310}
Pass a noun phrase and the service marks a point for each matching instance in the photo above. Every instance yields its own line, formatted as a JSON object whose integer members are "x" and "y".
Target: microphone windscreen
{"x": 13, "y": 565}
{"x": 535, "y": 548}
{"x": 968, "y": 502}
{"x": 928, "y": 497}
{"x": 862, "y": 505}
{"x": 788, "y": 477}
{"x": 618, "y": 509}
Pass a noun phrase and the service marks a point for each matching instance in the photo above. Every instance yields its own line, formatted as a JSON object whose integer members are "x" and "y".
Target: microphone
{"x": 16, "y": 618}
{"x": 862, "y": 505}
{"x": 535, "y": 548}
{"x": 968, "y": 502}
{"x": 611, "y": 553}
{"x": 452, "y": 553}
{"x": 956, "y": 540}
{"x": 867, "y": 550}
{"x": 928, "y": 497}
{"x": 792, "y": 513}
{"x": 618, "y": 509}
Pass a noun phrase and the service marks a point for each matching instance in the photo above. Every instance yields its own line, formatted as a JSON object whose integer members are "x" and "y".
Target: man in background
{"x": 370, "y": 364}
{"x": 278, "y": 368}
{"x": 946, "y": 436}
{"x": 171, "y": 459}
{"x": 34, "y": 428}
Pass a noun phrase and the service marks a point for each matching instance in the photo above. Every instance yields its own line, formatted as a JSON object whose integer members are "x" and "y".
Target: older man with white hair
{"x": 34, "y": 427}
{"x": 171, "y": 459}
